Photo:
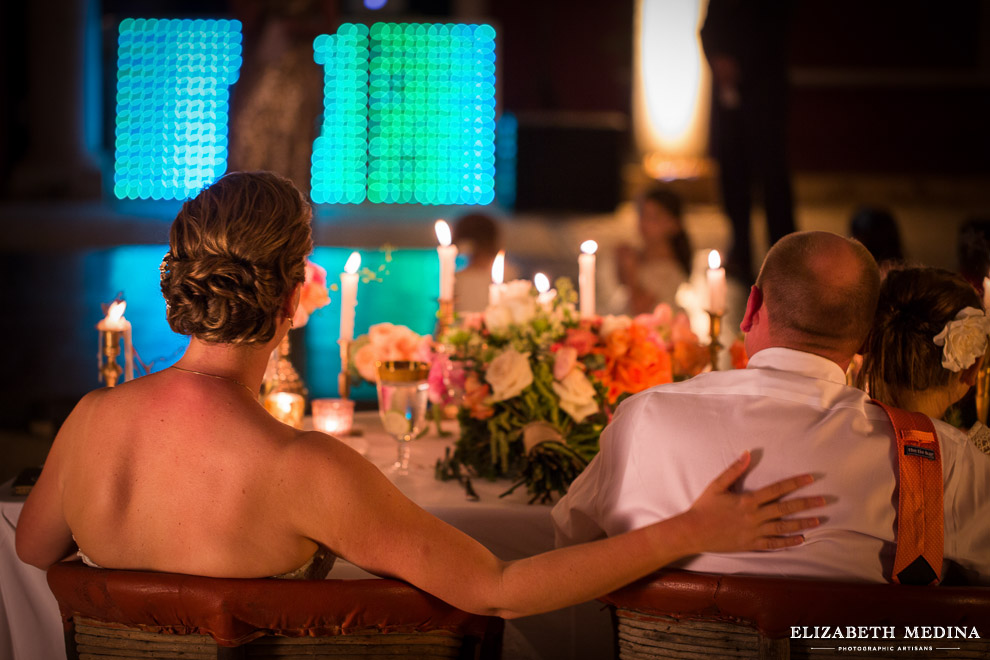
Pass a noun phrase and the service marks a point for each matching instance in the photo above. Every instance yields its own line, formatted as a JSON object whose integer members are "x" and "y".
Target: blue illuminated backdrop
{"x": 173, "y": 80}
{"x": 409, "y": 114}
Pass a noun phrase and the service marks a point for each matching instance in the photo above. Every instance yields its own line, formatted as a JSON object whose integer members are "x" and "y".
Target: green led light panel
{"x": 173, "y": 80}
{"x": 409, "y": 115}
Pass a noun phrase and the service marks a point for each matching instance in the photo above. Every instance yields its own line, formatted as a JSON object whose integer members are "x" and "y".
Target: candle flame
{"x": 443, "y": 232}
{"x": 589, "y": 247}
{"x": 714, "y": 260}
{"x": 116, "y": 311}
{"x": 353, "y": 263}
{"x": 498, "y": 267}
{"x": 542, "y": 282}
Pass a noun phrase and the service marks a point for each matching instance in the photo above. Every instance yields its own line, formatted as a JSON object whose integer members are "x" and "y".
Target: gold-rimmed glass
{"x": 403, "y": 393}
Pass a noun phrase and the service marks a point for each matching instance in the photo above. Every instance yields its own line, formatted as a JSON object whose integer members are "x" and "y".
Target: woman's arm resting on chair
{"x": 355, "y": 511}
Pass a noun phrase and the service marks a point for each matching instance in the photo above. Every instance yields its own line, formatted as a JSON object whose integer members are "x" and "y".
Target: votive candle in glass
{"x": 333, "y": 416}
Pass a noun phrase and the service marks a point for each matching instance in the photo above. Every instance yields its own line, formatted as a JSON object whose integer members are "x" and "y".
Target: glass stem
{"x": 402, "y": 460}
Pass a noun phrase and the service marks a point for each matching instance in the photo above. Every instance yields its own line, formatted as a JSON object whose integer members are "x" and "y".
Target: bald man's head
{"x": 820, "y": 291}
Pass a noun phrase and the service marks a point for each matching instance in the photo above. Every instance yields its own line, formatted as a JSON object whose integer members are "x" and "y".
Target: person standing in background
{"x": 745, "y": 43}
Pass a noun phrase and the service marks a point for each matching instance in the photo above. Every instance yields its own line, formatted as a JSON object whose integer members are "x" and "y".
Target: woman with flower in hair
{"x": 928, "y": 340}
{"x": 183, "y": 470}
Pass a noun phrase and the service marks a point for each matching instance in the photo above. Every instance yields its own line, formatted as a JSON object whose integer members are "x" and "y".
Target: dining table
{"x": 507, "y": 524}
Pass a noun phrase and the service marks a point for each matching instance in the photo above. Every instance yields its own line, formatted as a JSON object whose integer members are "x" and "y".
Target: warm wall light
{"x": 671, "y": 92}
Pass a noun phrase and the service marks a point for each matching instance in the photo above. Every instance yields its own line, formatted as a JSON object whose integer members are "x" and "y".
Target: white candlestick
{"x": 447, "y": 254}
{"x": 498, "y": 275}
{"x": 348, "y": 296}
{"x": 716, "y": 284}
{"x": 586, "y": 279}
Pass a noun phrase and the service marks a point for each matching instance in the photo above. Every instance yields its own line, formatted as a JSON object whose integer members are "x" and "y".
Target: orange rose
{"x": 634, "y": 361}
{"x": 689, "y": 358}
{"x": 475, "y": 395}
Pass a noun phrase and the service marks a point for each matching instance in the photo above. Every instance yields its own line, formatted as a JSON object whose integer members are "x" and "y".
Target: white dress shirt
{"x": 793, "y": 411}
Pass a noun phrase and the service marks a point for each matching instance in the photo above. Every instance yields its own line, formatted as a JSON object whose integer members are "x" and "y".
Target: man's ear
{"x": 753, "y": 305}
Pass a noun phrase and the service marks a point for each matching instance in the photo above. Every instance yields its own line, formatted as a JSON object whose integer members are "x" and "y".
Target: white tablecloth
{"x": 30, "y": 628}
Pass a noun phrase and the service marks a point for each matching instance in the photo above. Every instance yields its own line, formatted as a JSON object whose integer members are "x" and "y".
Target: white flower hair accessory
{"x": 964, "y": 339}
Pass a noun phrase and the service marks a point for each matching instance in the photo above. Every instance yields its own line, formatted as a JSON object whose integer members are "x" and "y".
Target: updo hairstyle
{"x": 915, "y": 304}
{"x": 236, "y": 251}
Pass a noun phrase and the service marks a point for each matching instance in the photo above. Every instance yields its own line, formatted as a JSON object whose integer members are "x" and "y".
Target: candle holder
{"x": 281, "y": 376}
{"x": 110, "y": 371}
{"x": 983, "y": 389}
{"x": 344, "y": 378}
{"x": 715, "y": 331}
{"x": 333, "y": 416}
{"x": 286, "y": 407}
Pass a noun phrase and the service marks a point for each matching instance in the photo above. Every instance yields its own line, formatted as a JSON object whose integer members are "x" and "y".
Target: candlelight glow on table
{"x": 498, "y": 277}
{"x": 716, "y": 284}
{"x": 545, "y": 294}
{"x": 286, "y": 407}
{"x": 333, "y": 416}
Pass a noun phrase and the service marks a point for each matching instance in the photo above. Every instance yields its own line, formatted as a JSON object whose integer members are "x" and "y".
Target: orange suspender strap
{"x": 920, "y": 524}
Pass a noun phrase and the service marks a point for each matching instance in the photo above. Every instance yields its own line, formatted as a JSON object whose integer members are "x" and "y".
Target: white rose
{"x": 509, "y": 374}
{"x": 577, "y": 395}
{"x": 964, "y": 339}
{"x": 497, "y": 319}
{"x": 517, "y": 296}
{"x": 612, "y": 323}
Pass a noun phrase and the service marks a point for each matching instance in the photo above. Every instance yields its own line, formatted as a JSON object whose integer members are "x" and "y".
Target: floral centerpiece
{"x": 540, "y": 384}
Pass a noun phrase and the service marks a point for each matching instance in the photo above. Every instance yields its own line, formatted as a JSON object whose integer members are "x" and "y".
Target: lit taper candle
{"x": 348, "y": 296}
{"x": 586, "y": 279}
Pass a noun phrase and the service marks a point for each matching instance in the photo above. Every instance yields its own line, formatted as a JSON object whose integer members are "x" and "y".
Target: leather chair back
{"x": 109, "y": 613}
{"x": 676, "y": 614}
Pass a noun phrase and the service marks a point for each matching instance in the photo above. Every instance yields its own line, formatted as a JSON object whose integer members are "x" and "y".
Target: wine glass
{"x": 403, "y": 392}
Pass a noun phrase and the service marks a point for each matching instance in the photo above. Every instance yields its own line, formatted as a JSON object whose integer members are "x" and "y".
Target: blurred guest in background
{"x": 745, "y": 43}
{"x": 973, "y": 250}
{"x": 876, "y": 228}
{"x": 477, "y": 237}
{"x": 651, "y": 273}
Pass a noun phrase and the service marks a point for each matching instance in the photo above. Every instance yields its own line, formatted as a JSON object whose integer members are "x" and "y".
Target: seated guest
{"x": 184, "y": 471}
{"x": 973, "y": 252}
{"x": 651, "y": 273}
{"x": 876, "y": 228}
{"x": 807, "y": 316}
{"x": 927, "y": 343}
{"x": 477, "y": 237}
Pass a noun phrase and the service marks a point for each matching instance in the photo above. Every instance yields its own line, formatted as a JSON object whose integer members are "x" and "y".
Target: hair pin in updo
{"x": 964, "y": 339}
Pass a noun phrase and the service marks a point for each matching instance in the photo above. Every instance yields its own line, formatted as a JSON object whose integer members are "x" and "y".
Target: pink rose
{"x": 680, "y": 330}
{"x": 364, "y": 362}
{"x": 564, "y": 360}
{"x": 581, "y": 340}
{"x": 313, "y": 294}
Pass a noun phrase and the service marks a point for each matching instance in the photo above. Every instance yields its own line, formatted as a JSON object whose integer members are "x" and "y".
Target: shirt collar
{"x": 806, "y": 364}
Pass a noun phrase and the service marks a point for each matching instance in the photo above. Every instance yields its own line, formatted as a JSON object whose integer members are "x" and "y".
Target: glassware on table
{"x": 403, "y": 392}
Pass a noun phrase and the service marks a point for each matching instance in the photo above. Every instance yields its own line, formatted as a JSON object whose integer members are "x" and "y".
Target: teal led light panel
{"x": 173, "y": 81}
{"x": 409, "y": 115}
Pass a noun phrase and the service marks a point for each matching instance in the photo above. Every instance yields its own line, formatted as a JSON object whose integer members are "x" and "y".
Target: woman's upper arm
{"x": 364, "y": 518}
{"x": 43, "y": 537}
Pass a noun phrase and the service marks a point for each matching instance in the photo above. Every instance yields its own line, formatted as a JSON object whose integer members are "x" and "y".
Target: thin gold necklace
{"x": 227, "y": 378}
